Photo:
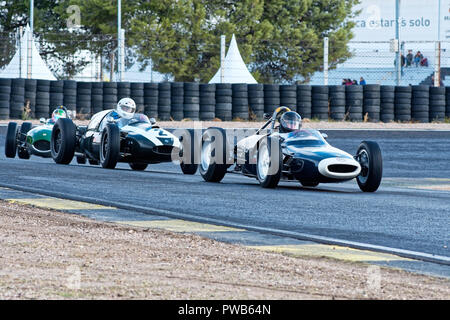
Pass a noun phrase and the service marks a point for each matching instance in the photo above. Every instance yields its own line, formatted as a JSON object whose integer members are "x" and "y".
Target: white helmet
{"x": 126, "y": 108}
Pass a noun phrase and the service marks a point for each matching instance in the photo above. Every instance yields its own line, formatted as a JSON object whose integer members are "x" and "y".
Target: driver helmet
{"x": 290, "y": 121}
{"x": 126, "y": 108}
{"x": 59, "y": 113}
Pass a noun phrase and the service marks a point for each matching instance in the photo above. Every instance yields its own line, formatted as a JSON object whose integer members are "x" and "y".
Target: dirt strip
{"x": 53, "y": 255}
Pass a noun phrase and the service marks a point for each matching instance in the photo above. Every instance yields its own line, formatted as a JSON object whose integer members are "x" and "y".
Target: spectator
{"x": 355, "y": 82}
{"x": 348, "y": 82}
{"x": 362, "y": 81}
{"x": 424, "y": 62}
{"x": 418, "y": 58}
{"x": 409, "y": 58}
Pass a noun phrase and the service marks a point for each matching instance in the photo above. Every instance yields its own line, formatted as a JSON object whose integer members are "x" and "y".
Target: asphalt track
{"x": 410, "y": 211}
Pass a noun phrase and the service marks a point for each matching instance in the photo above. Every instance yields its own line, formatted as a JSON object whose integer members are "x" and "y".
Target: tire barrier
{"x": 109, "y": 95}
{"x": 30, "y": 95}
{"x": 191, "y": 107}
{"x": 5, "y": 94}
{"x": 319, "y": 109}
{"x": 151, "y": 100}
{"x": 56, "y": 95}
{"x": 123, "y": 90}
{"x": 96, "y": 97}
{"x": 137, "y": 94}
{"x": 164, "y": 101}
{"x": 304, "y": 100}
{"x": 371, "y": 102}
{"x": 447, "y": 102}
{"x": 224, "y": 104}
{"x": 402, "y": 107}
{"x": 387, "y": 102}
{"x": 437, "y": 103}
{"x": 271, "y": 97}
{"x": 240, "y": 108}
{"x": 70, "y": 95}
{"x": 354, "y": 96}
{"x": 207, "y": 102}
{"x": 177, "y": 100}
{"x": 180, "y": 100}
{"x": 420, "y": 104}
{"x": 337, "y": 102}
{"x": 17, "y": 99}
{"x": 256, "y": 101}
{"x": 42, "y": 109}
{"x": 84, "y": 91}
{"x": 288, "y": 96}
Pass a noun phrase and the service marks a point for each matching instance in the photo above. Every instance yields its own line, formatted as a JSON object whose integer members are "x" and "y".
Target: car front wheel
{"x": 369, "y": 157}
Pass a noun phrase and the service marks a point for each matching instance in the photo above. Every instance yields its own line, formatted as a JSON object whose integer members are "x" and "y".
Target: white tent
{"x": 234, "y": 68}
{"x": 17, "y": 67}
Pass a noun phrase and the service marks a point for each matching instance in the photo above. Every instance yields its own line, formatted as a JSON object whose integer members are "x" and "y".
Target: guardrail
{"x": 180, "y": 100}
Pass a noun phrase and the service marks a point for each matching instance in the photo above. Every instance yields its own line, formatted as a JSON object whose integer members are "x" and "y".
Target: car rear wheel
{"x": 213, "y": 169}
{"x": 11, "y": 140}
{"x": 188, "y": 163}
{"x": 138, "y": 166}
{"x": 269, "y": 163}
{"x": 63, "y": 141}
{"x": 110, "y": 146}
{"x": 22, "y": 150}
{"x": 369, "y": 157}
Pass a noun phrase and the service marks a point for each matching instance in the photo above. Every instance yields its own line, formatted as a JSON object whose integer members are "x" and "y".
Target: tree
{"x": 56, "y": 44}
{"x": 278, "y": 39}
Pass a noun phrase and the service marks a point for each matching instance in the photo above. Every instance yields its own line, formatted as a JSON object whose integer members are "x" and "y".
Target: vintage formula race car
{"x": 103, "y": 141}
{"x": 26, "y": 140}
{"x": 302, "y": 155}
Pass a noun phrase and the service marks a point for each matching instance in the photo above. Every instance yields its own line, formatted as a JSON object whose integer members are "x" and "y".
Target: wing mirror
{"x": 324, "y": 135}
{"x": 267, "y": 116}
{"x": 152, "y": 121}
{"x": 42, "y": 120}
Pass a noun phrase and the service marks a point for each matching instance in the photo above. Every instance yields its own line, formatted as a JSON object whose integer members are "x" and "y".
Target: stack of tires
{"x": 402, "y": 110}
{"x": 447, "y": 104}
{"x": 319, "y": 108}
{"x": 42, "y": 109}
{"x": 5, "y": 94}
{"x": 354, "y": 98}
{"x": 256, "y": 101}
{"x": 151, "y": 100}
{"x": 84, "y": 91}
{"x": 164, "y": 101}
{"x": 420, "y": 104}
{"x": 224, "y": 101}
{"x": 337, "y": 102}
{"x": 96, "y": 97}
{"x": 240, "y": 101}
{"x": 304, "y": 100}
{"x": 177, "y": 100}
{"x": 30, "y": 95}
{"x": 191, "y": 106}
{"x": 123, "y": 90}
{"x": 137, "y": 94}
{"x": 70, "y": 95}
{"x": 207, "y": 101}
{"x": 17, "y": 99}
{"x": 288, "y": 96}
{"x": 271, "y": 97}
{"x": 109, "y": 95}
{"x": 387, "y": 102}
{"x": 56, "y": 95}
{"x": 372, "y": 102}
{"x": 437, "y": 103}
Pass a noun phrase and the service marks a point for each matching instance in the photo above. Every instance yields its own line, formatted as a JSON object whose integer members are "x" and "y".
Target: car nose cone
{"x": 339, "y": 168}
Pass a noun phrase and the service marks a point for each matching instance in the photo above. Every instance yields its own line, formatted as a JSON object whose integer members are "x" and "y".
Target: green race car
{"x": 26, "y": 140}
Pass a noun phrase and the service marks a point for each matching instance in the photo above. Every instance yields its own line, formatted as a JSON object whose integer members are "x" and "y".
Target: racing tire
{"x": 212, "y": 172}
{"x": 22, "y": 151}
{"x": 136, "y": 166}
{"x": 370, "y": 159}
{"x": 11, "y": 140}
{"x": 266, "y": 158}
{"x": 63, "y": 141}
{"x": 110, "y": 146}
{"x": 190, "y": 169}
